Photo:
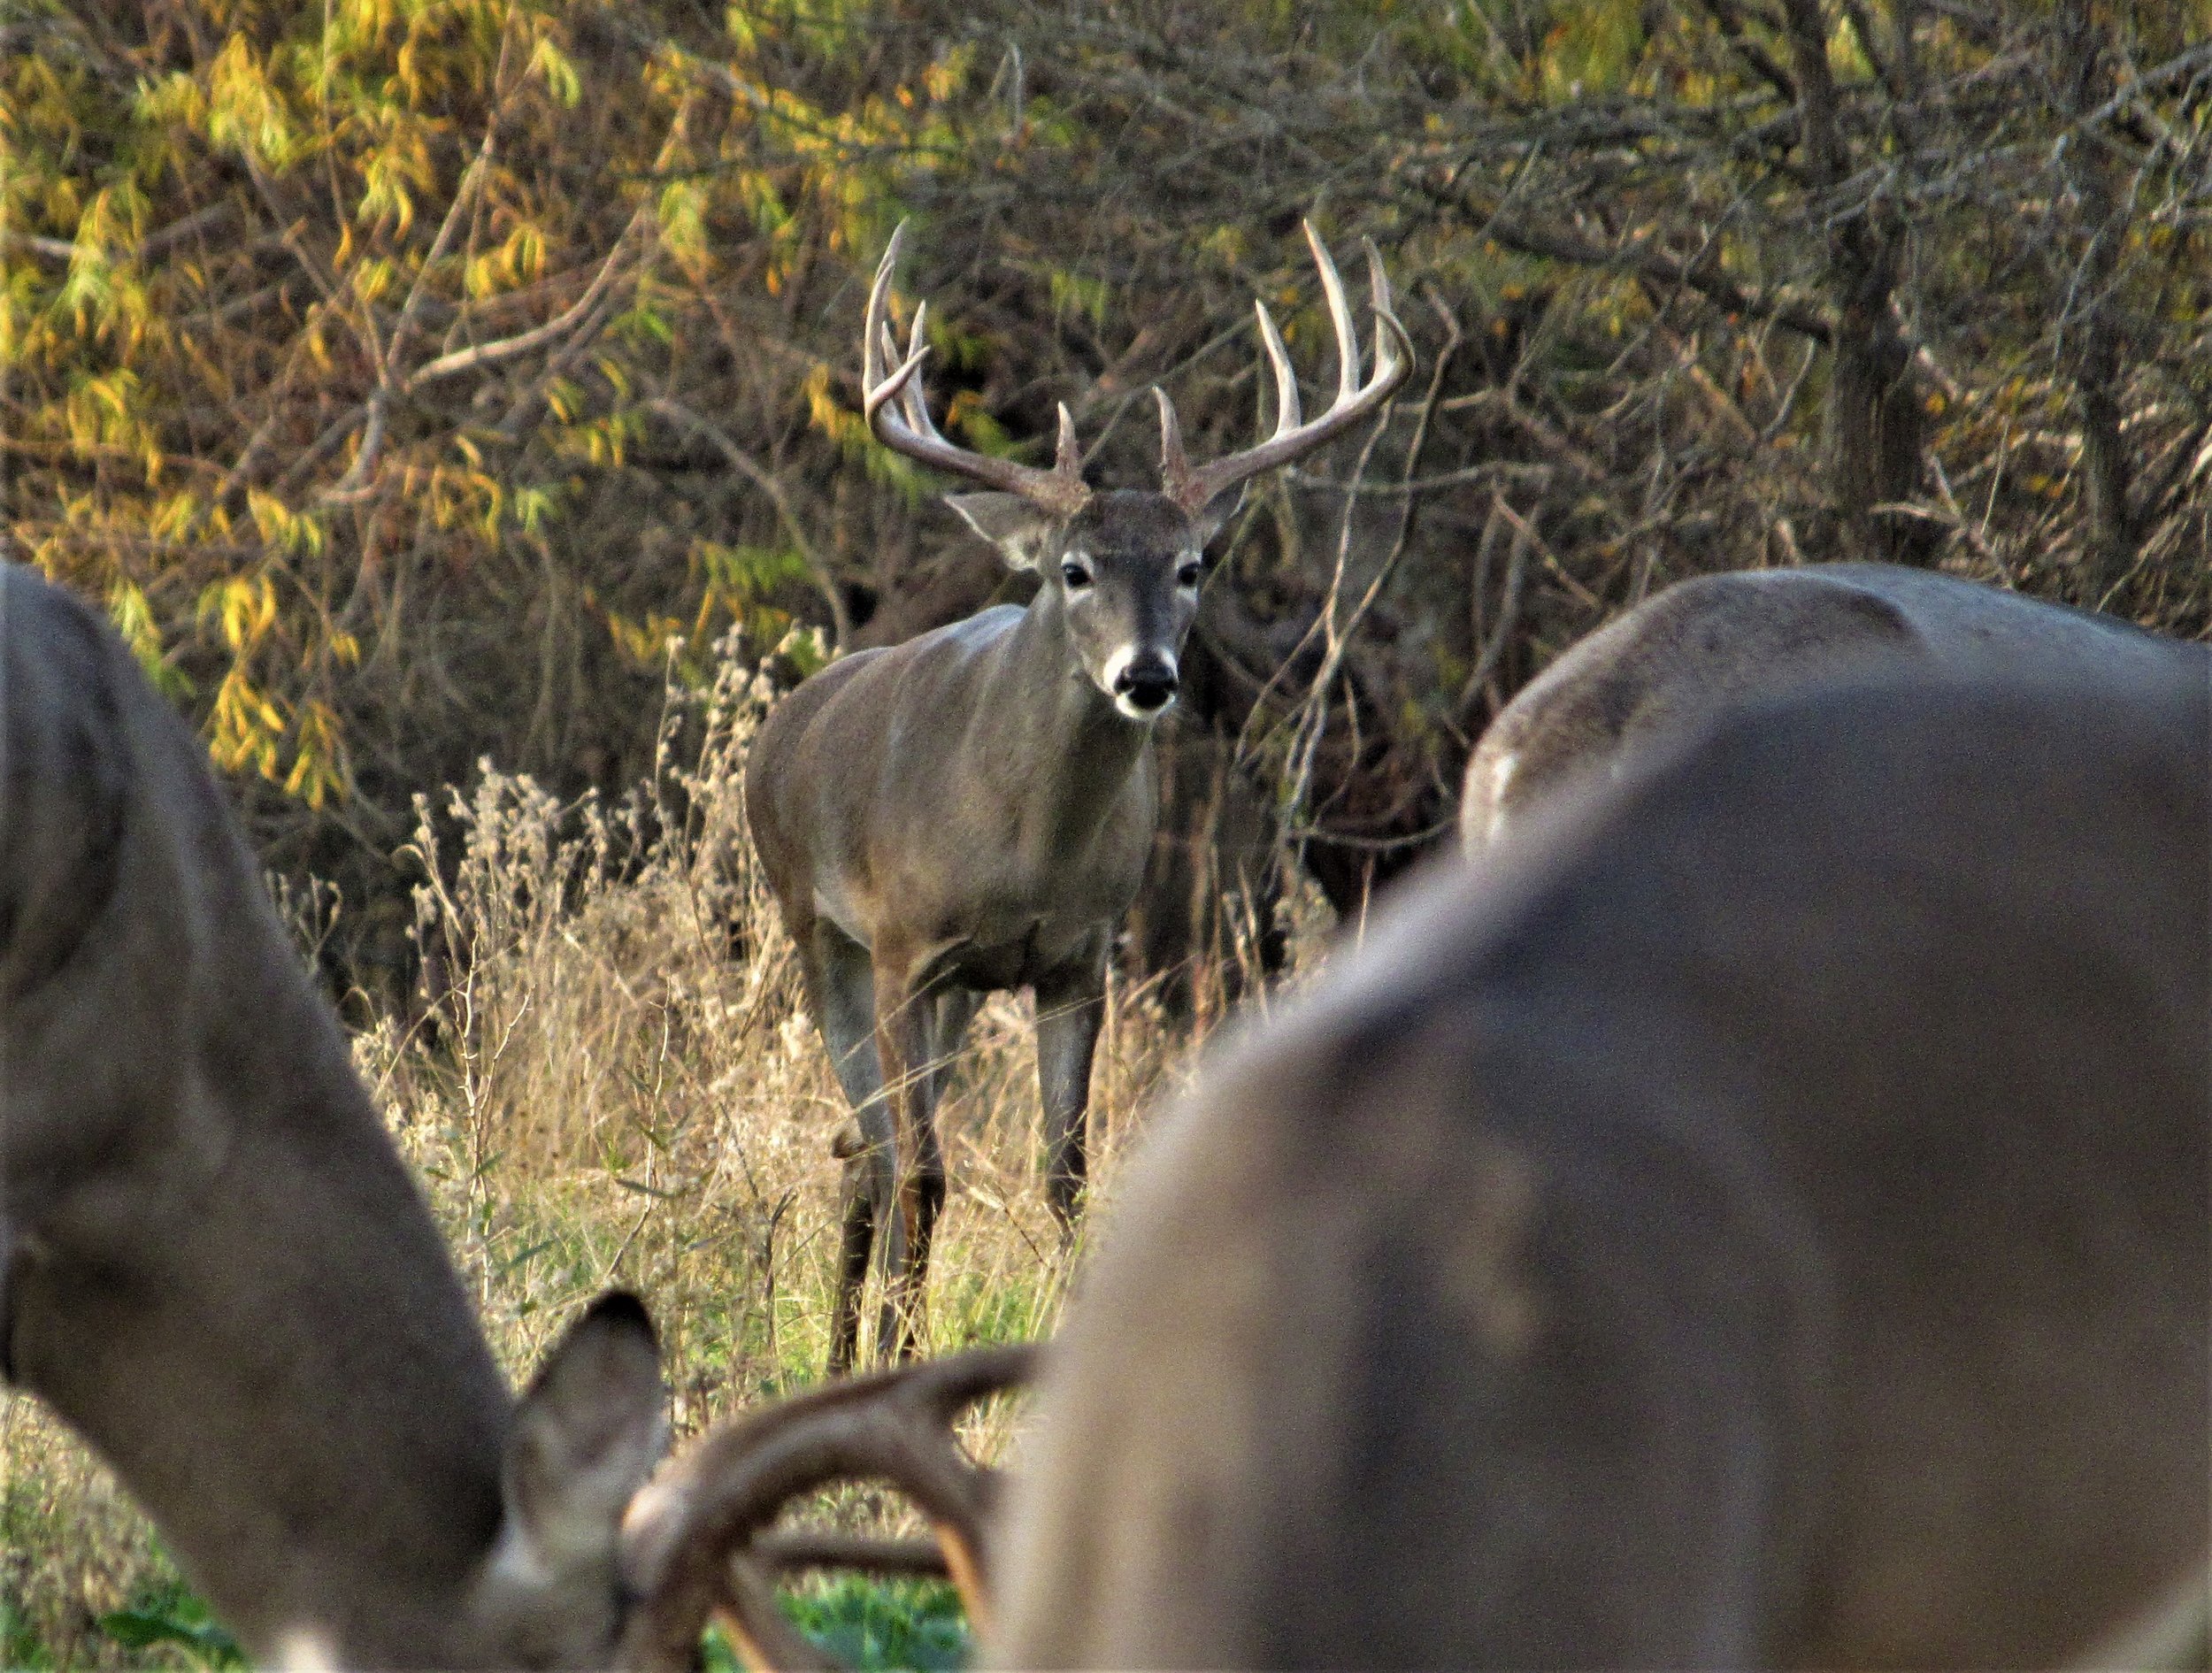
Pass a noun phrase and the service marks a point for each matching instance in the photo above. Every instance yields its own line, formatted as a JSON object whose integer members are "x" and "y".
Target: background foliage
{"x": 414, "y": 377}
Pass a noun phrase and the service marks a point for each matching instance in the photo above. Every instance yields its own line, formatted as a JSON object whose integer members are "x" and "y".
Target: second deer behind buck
{"x": 1687, "y": 653}
{"x": 1766, "y": 1223}
{"x": 971, "y": 810}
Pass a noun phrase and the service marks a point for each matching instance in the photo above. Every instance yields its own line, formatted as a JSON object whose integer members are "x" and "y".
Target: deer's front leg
{"x": 902, "y": 1045}
{"x": 1070, "y": 1007}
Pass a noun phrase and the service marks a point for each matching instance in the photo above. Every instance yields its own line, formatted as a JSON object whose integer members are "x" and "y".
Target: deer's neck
{"x": 241, "y": 1302}
{"x": 1056, "y": 748}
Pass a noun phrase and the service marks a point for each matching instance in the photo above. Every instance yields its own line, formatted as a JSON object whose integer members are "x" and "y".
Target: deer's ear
{"x": 1019, "y": 528}
{"x": 1218, "y": 511}
{"x": 586, "y": 1436}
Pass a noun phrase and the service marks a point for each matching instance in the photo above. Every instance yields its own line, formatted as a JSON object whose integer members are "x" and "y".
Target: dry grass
{"x": 618, "y": 1088}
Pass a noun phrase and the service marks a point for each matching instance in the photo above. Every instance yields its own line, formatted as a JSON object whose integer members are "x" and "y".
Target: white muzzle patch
{"x": 1116, "y": 667}
{"x": 1110, "y": 679}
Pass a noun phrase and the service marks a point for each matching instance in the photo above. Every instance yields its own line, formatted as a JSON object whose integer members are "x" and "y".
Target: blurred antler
{"x": 695, "y": 1532}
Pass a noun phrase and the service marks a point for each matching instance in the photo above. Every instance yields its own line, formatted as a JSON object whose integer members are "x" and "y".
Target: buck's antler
{"x": 899, "y": 414}
{"x": 695, "y": 1532}
{"x": 1195, "y": 487}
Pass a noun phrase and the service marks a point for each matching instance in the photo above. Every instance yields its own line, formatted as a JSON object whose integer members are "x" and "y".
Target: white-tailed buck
{"x": 971, "y": 810}
{"x": 1705, "y": 644}
{"x": 1765, "y": 1223}
{"x": 213, "y": 1266}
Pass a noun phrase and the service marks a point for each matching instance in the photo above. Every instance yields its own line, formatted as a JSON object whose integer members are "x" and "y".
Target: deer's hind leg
{"x": 944, "y": 1016}
{"x": 840, "y": 982}
{"x": 907, "y": 1027}
{"x": 954, "y": 1010}
{"x": 1070, "y": 1007}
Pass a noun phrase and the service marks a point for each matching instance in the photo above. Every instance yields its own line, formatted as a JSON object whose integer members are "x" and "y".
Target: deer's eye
{"x": 1188, "y": 572}
{"x": 1077, "y": 576}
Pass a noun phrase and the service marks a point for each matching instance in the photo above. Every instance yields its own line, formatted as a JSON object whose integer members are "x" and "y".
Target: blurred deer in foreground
{"x": 971, "y": 812}
{"x": 1705, "y": 644}
{"x": 1762, "y": 1220}
{"x": 212, "y": 1265}
{"x": 216, "y": 1271}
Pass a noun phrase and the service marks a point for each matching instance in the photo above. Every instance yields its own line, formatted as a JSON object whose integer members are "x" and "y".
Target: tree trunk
{"x": 2093, "y": 329}
{"x": 1875, "y": 419}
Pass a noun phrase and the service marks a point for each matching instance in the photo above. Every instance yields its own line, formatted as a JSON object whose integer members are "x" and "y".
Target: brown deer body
{"x": 1763, "y": 1223}
{"x": 1704, "y": 644}
{"x": 971, "y": 810}
{"x": 212, "y": 1264}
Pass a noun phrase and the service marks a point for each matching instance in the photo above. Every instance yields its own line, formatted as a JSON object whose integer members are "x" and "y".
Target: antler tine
{"x": 1174, "y": 463}
{"x": 913, "y": 405}
{"x": 1339, "y": 316}
{"x": 1067, "y": 457}
{"x": 764, "y": 1639}
{"x": 1385, "y": 310}
{"x": 875, "y": 336}
{"x": 943, "y": 1388}
{"x": 807, "y": 1549}
{"x": 1192, "y": 488}
{"x": 1287, "y": 417}
{"x": 898, "y": 412}
{"x": 693, "y": 1533}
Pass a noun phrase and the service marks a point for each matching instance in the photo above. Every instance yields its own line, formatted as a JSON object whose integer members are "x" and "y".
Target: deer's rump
{"x": 1714, "y": 642}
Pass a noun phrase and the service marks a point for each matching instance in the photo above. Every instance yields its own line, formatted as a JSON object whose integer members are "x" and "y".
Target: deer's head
{"x": 585, "y": 1437}
{"x": 1123, "y": 566}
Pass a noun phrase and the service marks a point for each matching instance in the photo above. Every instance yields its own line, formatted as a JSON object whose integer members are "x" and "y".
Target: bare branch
{"x": 492, "y": 353}
{"x": 155, "y": 243}
{"x": 1647, "y": 260}
{"x": 779, "y": 496}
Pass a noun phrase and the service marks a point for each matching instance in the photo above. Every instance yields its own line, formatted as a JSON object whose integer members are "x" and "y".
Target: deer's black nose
{"x": 1147, "y": 682}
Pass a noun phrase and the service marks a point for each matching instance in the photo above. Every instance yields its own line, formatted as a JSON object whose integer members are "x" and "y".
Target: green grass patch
{"x": 168, "y": 1613}
{"x": 915, "y": 1624}
{"x": 890, "y": 1624}
{"x": 22, "y": 1645}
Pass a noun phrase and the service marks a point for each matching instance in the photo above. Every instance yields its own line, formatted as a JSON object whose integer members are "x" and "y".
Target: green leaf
{"x": 558, "y": 71}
